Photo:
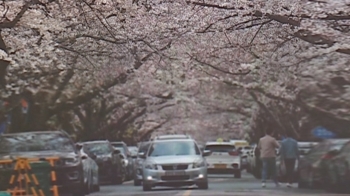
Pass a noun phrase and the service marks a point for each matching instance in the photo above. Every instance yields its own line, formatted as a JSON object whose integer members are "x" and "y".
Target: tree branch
{"x": 11, "y": 24}
{"x": 81, "y": 99}
{"x": 217, "y": 68}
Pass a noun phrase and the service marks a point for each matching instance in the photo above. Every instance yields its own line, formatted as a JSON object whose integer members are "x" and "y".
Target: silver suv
{"x": 174, "y": 162}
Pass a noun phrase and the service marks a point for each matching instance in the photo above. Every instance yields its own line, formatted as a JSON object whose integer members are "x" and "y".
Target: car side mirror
{"x": 142, "y": 155}
{"x": 78, "y": 146}
{"x": 206, "y": 153}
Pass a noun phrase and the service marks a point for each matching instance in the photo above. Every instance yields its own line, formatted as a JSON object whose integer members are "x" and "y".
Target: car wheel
{"x": 96, "y": 188}
{"x": 203, "y": 185}
{"x": 119, "y": 179}
{"x": 238, "y": 174}
{"x": 146, "y": 187}
{"x": 137, "y": 182}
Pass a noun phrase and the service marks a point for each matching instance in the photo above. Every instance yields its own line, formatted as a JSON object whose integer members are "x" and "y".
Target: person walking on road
{"x": 289, "y": 153}
{"x": 267, "y": 146}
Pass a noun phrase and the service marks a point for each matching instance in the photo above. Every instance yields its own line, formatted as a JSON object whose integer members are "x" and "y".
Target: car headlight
{"x": 71, "y": 161}
{"x": 151, "y": 166}
{"x": 199, "y": 164}
{"x": 125, "y": 162}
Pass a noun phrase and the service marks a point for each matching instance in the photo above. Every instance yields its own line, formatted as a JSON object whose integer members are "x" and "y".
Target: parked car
{"x": 251, "y": 159}
{"x": 338, "y": 171}
{"x": 108, "y": 160}
{"x": 126, "y": 156}
{"x": 224, "y": 158}
{"x": 91, "y": 178}
{"x": 44, "y": 144}
{"x": 176, "y": 162}
{"x": 245, "y": 150}
{"x": 313, "y": 166}
{"x": 143, "y": 147}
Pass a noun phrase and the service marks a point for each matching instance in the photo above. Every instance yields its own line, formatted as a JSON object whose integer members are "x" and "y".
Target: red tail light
{"x": 327, "y": 156}
{"x": 233, "y": 153}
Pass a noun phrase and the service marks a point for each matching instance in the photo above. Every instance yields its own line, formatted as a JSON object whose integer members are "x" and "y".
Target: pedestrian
{"x": 267, "y": 146}
{"x": 289, "y": 153}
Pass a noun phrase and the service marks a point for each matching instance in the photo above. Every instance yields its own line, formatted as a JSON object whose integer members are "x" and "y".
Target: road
{"x": 219, "y": 185}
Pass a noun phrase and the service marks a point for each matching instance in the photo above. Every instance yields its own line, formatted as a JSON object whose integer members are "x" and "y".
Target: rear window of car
{"x": 220, "y": 148}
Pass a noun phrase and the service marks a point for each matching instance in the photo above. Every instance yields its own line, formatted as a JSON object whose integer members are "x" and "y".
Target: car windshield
{"x": 173, "y": 148}
{"x": 220, "y": 148}
{"x": 30, "y": 142}
{"x": 97, "y": 148}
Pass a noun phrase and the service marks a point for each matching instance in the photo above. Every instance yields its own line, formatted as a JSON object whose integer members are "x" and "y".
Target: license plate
{"x": 220, "y": 166}
{"x": 175, "y": 173}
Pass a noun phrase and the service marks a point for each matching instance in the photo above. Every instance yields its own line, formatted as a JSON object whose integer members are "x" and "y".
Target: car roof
{"x": 33, "y": 132}
{"x": 118, "y": 142}
{"x": 167, "y": 137}
{"x": 96, "y": 142}
{"x": 219, "y": 143}
{"x": 338, "y": 141}
{"x": 167, "y": 140}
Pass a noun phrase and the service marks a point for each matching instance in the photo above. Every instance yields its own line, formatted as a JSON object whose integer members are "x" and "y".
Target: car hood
{"x": 174, "y": 159}
{"x": 38, "y": 154}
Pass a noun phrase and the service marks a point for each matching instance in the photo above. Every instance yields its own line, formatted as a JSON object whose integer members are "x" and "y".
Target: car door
{"x": 341, "y": 164}
{"x": 306, "y": 164}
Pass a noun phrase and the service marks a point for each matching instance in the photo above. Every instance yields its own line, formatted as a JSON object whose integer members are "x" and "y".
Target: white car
{"x": 224, "y": 158}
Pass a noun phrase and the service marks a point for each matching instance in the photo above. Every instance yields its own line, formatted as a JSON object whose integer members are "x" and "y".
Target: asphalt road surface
{"x": 219, "y": 185}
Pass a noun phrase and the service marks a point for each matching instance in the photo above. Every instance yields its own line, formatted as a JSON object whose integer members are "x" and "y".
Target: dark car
{"x": 129, "y": 163}
{"x": 45, "y": 144}
{"x": 338, "y": 171}
{"x": 313, "y": 166}
{"x": 108, "y": 160}
{"x": 143, "y": 148}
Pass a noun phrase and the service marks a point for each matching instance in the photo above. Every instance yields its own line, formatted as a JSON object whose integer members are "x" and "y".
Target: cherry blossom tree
{"x": 232, "y": 67}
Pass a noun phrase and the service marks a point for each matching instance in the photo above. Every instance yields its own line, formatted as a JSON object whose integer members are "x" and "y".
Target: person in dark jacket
{"x": 289, "y": 153}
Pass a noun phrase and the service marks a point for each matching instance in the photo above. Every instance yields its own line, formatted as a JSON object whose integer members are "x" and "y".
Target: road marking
{"x": 187, "y": 193}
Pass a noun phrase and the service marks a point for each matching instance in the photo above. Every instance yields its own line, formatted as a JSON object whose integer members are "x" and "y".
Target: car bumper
{"x": 106, "y": 171}
{"x": 214, "y": 168}
{"x": 159, "y": 177}
{"x": 69, "y": 179}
